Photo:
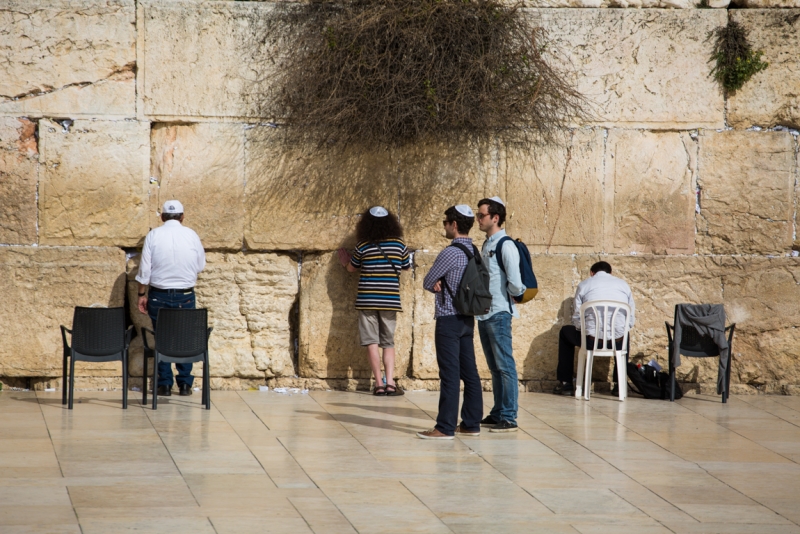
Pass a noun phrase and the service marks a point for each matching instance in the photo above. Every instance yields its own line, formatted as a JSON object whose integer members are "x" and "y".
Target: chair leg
{"x": 71, "y": 381}
{"x": 671, "y": 381}
{"x": 207, "y": 382}
{"x": 622, "y": 376}
{"x": 64, "y": 380}
{"x": 579, "y": 376}
{"x": 155, "y": 381}
{"x": 124, "y": 382}
{"x": 144, "y": 380}
{"x": 587, "y": 381}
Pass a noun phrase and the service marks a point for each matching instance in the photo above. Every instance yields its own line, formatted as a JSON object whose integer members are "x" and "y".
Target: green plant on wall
{"x": 390, "y": 72}
{"x": 734, "y": 59}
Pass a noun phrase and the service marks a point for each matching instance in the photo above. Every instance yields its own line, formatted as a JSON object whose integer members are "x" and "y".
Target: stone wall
{"x": 110, "y": 107}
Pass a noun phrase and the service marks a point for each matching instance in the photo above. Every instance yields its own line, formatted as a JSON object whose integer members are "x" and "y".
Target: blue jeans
{"x": 495, "y": 334}
{"x": 455, "y": 354}
{"x": 157, "y": 299}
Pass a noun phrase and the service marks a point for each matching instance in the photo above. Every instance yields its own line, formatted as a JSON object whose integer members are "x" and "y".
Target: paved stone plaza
{"x": 349, "y": 462}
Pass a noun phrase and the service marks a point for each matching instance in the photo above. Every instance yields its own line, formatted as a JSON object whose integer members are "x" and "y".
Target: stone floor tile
{"x": 33, "y": 514}
{"x": 127, "y": 524}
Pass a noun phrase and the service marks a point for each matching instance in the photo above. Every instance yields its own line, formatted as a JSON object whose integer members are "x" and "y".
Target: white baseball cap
{"x": 172, "y": 206}
{"x": 465, "y": 210}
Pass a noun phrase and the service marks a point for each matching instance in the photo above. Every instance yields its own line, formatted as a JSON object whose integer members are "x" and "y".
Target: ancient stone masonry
{"x": 110, "y": 107}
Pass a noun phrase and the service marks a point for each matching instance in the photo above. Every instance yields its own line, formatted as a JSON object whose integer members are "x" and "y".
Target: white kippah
{"x": 378, "y": 211}
{"x": 465, "y": 210}
{"x": 172, "y": 206}
{"x": 498, "y": 200}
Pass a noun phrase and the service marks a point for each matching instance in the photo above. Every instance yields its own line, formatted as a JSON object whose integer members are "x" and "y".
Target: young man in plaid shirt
{"x": 455, "y": 352}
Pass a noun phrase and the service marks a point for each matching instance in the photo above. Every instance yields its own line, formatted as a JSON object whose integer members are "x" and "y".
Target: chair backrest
{"x": 692, "y": 343}
{"x": 98, "y": 331}
{"x": 605, "y": 328}
{"x": 182, "y": 333}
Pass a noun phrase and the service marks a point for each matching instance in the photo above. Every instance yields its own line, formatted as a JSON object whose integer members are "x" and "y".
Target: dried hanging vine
{"x": 390, "y": 72}
{"x": 735, "y": 61}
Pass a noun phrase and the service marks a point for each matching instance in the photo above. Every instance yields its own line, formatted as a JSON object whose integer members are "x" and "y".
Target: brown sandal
{"x": 379, "y": 391}
{"x": 395, "y": 390}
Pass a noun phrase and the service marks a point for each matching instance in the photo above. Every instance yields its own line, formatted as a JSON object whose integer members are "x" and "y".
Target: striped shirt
{"x": 379, "y": 285}
{"x": 449, "y": 265}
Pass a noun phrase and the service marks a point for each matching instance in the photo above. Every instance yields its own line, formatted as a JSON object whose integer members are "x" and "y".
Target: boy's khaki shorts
{"x": 377, "y": 326}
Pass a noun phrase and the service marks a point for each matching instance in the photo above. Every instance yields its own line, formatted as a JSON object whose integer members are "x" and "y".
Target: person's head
{"x": 491, "y": 214}
{"x": 458, "y": 220}
{"x": 172, "y": 211}
{"x": 600, "y": 267}
{"x": 376, "y": 224}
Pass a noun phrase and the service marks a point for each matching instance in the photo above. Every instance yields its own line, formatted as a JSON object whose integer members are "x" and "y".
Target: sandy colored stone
{"x": 197, "y": 59}
{"x": 555, "y": 196}
{"x": 766, "y": 4}
{"x": 328, "y": 322}
{"x": 746, "y": 182}
{"x": 19, "y": 169}
{"x": 310, "y": 200}
{"x": 641, "y": 68}
{"x": 41, "y": 287}
{"x": 434, "y": 176}
{"x": 94, "y": 183}
{"x": 650, "y": 192}
{"x": 202, "y": 165}
{"x": 251, "y": 302}
{"x": 762, "y": 296}
{"x": 771, "y": 97}
{"x": 68, "y": 58}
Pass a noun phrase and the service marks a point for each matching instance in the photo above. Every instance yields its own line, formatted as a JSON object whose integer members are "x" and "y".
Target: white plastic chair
{"x": 604, "y": 337}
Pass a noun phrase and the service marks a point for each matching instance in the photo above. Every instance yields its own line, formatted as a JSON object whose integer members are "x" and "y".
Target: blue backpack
{"x": 525, "y": 269}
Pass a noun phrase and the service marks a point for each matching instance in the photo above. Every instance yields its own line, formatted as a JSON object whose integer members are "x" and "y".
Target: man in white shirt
{"x": 494, "y": 328}
{"x": 599, "y": 286}
{"x": 172, "y": 257}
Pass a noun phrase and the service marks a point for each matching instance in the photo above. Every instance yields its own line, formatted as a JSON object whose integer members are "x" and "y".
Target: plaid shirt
{"x": 450, "y": 265}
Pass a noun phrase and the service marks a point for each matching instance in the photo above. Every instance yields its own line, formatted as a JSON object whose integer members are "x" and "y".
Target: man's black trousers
{"x": 455, "y": 354}
{"x": 568, "y": 339}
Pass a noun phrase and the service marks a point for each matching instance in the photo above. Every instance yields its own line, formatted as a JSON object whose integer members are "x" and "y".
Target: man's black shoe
{"x": 489, "y": 421}
{"x": 185, "y": 390}
{"x": 504, "y": 426}
{"x": 164, "y": 391}
{"x": 564, "y": 388}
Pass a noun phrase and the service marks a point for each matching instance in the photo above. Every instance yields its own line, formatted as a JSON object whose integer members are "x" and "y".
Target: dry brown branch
{"x": 390, "y": 72}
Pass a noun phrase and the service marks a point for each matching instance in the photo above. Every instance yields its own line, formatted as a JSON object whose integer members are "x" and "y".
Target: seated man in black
{"x": 599, "y": 286}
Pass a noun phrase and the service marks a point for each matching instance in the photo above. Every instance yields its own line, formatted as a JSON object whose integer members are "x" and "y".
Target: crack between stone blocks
{"x": 567, "y": 161}
{"x": 36, "y": 93}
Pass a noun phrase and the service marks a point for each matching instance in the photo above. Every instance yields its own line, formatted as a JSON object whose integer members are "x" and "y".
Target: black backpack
{"x": 473, "y": 296}
{"x": 651, "y": 383}
{"x": 525, "y": 269}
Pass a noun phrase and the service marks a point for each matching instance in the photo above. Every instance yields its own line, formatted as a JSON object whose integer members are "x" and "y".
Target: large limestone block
{"x": 68, "y": 58}
{"x": 762, "y": 296}
{"x": 555, "y": 196}
{"x": 329, "y": 341}
{"x": 197, "y": 58}
{"x": 251, "y": 303}
{"x": 202, "y": 165}
{"x": 641, "y": 68}
{"x": 433, "y": 177}
{"x": 310, "y": 200}
{"x": 94, "y": 183}
{"x": 41, "y": 286}
{"x": 19, "y": 169}
{"x": 746, "y": 183}
{"x": 423, "y": 359}
{"x": 650, "y": 198}
{"x": 658, "y": 283}
{"x": 771, "y": 97}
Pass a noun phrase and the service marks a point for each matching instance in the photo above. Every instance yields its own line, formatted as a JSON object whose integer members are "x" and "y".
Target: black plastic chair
{"x": 695, "y": 345}
{"x": 98, "y": 335}
{"x": 181, "y": 336}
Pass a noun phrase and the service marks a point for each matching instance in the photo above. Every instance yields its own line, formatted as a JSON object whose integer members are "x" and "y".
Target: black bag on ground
{"x": 472, "y": 296}
{"x": 651, "y": 383}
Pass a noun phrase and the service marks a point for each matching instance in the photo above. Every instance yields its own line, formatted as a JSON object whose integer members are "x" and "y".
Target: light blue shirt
{"x": 502, "y": 285}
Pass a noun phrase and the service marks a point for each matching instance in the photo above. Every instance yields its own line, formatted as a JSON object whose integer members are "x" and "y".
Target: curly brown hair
{"x": 374, "y": 229}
